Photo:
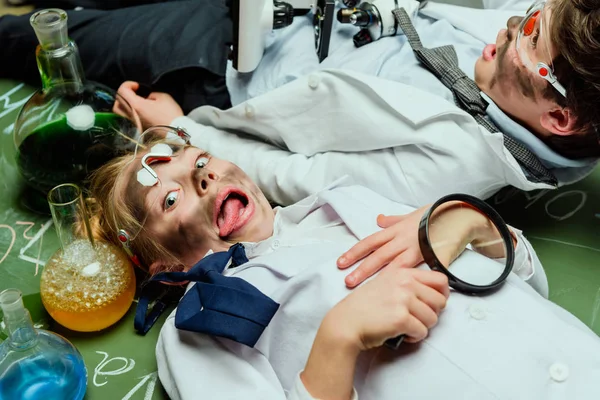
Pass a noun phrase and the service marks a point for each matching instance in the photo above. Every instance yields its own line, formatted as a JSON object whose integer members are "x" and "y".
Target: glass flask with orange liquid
{"x": 86, "y": 285}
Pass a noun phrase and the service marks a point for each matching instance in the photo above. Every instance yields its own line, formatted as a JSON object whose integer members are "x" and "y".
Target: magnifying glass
{"x": 450, "y": 233}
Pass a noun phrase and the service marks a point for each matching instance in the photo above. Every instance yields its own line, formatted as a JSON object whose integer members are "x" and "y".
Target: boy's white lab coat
{"x": 512, "y": 344}
{"x": 308, "y": 133}
{"x": 407, "y": 144}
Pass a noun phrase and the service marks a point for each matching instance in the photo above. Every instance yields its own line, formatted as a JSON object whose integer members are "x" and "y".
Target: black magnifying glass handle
{"x": 394, "y": 343}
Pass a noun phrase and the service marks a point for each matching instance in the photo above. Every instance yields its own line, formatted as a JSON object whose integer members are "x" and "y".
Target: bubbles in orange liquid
{"x": 88, "y": 288}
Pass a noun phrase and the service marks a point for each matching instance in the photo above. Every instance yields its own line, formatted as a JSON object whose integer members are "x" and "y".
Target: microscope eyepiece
{"x": 362, "y": 18}
{"x": 283, "y": 14}
{"x": 343, "y": 15}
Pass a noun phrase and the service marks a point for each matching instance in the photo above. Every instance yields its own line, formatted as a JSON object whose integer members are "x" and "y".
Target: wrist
{"x": 329, "y": 371}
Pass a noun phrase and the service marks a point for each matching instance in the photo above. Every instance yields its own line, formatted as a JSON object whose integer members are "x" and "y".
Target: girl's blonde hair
{"x": 115, "y": 204}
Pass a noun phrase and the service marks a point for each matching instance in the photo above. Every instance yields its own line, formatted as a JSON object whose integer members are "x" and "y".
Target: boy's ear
{"x": 559, "y": 121}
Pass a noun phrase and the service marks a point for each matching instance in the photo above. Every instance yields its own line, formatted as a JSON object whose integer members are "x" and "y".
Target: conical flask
{"x": 70, "y": 126}
{"x": 36, "y": 364}
{"x": 86, "y": 285}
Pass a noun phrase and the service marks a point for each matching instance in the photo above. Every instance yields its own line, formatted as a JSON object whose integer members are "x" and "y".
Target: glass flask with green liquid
{"x": 70, "y": 126}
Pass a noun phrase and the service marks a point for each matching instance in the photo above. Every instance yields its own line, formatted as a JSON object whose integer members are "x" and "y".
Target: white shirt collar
{"x": 547, "y": 156}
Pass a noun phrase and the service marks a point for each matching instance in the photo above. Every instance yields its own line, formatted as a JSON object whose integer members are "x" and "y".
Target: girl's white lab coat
{"x": 513, "y": 344}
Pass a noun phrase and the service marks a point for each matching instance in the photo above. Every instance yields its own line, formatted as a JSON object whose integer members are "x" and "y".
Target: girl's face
{"x": 202, "y": 203}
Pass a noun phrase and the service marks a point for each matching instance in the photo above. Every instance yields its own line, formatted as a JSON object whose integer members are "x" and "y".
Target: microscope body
{"x": 253, "y": 20}
{"x": 375, "y": 19}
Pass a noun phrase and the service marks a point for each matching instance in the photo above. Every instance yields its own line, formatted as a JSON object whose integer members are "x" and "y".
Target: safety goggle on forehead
{"x": 528, "y": 35}
{"x": 159, "y": 144}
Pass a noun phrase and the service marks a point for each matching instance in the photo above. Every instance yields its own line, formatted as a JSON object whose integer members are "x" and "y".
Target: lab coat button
{"x": 249, "y": 111}
{"x": 275, "y": 245}
{"x": 477, "y": 312}
{"x": 559, "y": 372}
{"x": 313, "y": 81}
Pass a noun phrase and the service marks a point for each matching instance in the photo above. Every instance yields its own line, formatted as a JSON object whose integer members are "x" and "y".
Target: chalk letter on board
{"x": 535, "y": 197}
{"x": 12, "y": 241}
{"x": 31, "y": 224}
{"x": 8, "y": 106}
{"x": 583, "y": 199}
{"x": 151, "y": 379}
{"x": 98, "y": 371}
{"x": 38, "y": 236}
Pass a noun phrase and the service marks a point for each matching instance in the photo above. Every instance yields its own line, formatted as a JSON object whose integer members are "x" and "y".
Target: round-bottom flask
{"x": 36, "y": 364}
{"x": 87, "y": 285}
{"x": 87, "y": 288}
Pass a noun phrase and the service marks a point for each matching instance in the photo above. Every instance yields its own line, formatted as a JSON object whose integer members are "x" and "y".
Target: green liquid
{"x": 54, "y": 153}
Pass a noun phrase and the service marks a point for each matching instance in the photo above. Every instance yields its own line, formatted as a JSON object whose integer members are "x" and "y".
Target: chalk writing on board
{"x": 533, "y": 197}
{"x": 151, "y": 380}
{"x": 7, "y": 106}
{"x": 125, "y": 365}
{"x": 31, "y": 240}
{"x": 30, "y": 225}
{"x": 13, "y": 236}
{"x": 38, "y": 236}
{"x": 100, "y": 369}
{"x": 595, "y": 309}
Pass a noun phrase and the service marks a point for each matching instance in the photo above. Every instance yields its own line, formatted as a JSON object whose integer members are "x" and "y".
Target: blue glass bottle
{"x": 36, "y": 364}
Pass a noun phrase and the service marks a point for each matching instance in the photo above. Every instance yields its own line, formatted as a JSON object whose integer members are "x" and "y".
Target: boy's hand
{"x": 157, "y": 109}
{"x": 397, "y": 245}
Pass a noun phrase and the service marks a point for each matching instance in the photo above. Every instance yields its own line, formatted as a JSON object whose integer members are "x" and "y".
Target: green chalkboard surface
{"x": 121, "y": 364}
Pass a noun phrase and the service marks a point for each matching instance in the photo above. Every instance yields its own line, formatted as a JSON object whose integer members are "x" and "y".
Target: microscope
{"x": 375, "y": 19}
{"x": 253, "y": 20}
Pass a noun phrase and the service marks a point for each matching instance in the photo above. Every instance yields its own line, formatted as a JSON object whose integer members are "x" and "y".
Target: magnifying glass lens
{"x": 467, "y": 243}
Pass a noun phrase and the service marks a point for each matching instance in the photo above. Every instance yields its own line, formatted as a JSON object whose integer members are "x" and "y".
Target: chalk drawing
{"x": 9, "y": 107}
{"x": 12, "y": 240}
{"x": 534, "y": 197}
{"x": 128, "y": 365}
{"x": 595, "y": 309}
{"x": 151, "y": 379}
{"x": 582, "y": 200}
{"x": 31, "y": 224}
{"x": 565, "y": 243}
{"x": 33, "y": 240}
{"x": 9, "y": 129}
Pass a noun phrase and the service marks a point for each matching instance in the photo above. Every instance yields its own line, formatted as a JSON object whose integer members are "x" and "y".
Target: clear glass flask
{"x": 71, "y": 126}
{"x": 36, "y": 364}
{"x": 86, "y": 285}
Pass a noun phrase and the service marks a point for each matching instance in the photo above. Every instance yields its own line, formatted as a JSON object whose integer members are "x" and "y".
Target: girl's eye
{"x": 201, "y": 162}
{"x": 171, "y": 199}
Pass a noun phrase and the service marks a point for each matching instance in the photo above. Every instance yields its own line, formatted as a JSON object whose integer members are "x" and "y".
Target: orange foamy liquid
{"x": 87, "y": 288}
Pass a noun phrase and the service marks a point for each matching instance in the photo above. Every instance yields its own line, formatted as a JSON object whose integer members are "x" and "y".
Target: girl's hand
{"x": 397, "y": 301}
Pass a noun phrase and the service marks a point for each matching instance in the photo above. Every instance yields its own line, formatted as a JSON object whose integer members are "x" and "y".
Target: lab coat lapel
{"x": 359, "y": 207}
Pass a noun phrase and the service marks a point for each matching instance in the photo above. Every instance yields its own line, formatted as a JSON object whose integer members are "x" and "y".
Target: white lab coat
{"x": 304, "y": 135}
{"x": 512, "y": 344}
{"x": 408, "y": 144}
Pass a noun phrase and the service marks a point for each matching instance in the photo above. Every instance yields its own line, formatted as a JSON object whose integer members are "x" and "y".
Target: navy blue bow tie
{"x": 217, "y": 305}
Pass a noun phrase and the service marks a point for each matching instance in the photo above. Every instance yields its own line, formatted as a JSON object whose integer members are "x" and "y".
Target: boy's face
{"x": 502, "y": 75}
{"x": 201, "y": 203}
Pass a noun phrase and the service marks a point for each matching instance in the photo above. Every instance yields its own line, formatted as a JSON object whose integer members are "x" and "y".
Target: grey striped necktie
{"x": 443, "y": 63}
